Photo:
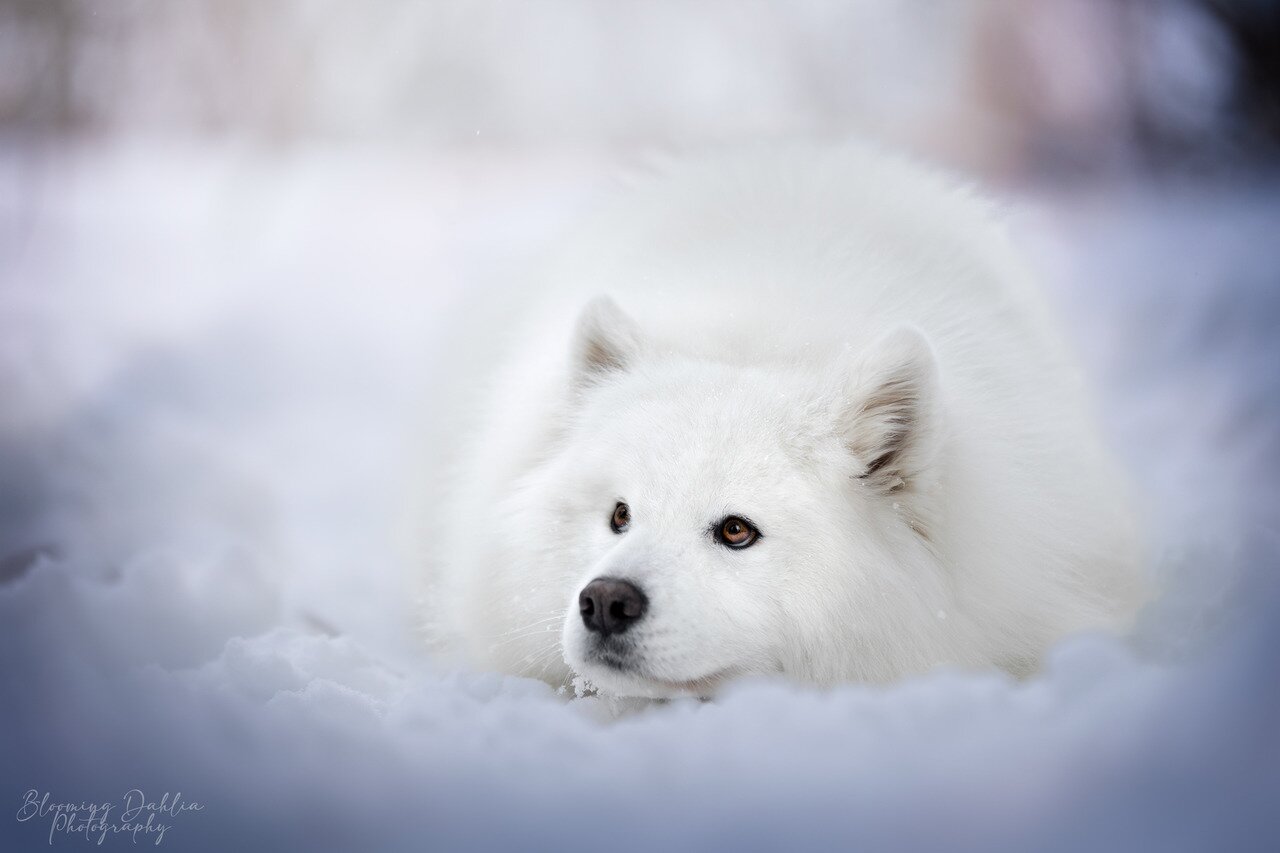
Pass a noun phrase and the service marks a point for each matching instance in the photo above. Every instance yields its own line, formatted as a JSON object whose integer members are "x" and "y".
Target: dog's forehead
{"x": 708, "y": 422}
{"x": 746, "y": 405}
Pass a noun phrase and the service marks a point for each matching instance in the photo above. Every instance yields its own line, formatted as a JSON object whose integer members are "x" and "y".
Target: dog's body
{"x": 831, "y": 349}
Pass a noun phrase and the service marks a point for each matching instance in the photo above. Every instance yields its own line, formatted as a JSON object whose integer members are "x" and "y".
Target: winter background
{"x": 239, "y": 246}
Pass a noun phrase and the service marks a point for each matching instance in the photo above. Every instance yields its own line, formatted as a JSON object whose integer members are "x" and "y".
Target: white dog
{"x": 818, "y": 426}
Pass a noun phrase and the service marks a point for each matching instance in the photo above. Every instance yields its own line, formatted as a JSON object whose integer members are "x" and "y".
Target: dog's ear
{"x": 889, "y": 415}
{"x": 606, "y": 340}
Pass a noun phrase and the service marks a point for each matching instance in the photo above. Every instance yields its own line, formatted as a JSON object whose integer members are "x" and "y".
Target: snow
{"x": 220, "y": 368}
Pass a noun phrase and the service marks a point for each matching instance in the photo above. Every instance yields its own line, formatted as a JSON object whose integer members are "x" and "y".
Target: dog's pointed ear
{"x": 606, "y": 340}
{"x": 889, "y": 415}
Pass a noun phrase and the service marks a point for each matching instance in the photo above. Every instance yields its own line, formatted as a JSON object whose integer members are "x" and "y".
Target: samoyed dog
{"x": 794, "y": 411}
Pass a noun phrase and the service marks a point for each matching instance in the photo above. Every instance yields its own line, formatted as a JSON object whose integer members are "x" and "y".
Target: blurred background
{"x": 1000, "y": 87}
{"x": 236, "y": 239}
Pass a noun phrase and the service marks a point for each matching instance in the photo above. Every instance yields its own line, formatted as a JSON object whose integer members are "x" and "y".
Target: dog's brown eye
{"x": 737, "y": 532}
{"x": 621, "y": 518}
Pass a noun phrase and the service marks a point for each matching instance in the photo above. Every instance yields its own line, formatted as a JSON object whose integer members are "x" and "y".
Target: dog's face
{"x": 700, "y": 508}
{"x": 709, "y": 521}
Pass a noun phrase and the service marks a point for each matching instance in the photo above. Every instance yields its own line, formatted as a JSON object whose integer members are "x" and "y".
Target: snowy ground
{"x": 218, "y": 372}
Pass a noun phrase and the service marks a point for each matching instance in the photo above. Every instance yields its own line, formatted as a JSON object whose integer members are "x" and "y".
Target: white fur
{"x": 779, "y": 320}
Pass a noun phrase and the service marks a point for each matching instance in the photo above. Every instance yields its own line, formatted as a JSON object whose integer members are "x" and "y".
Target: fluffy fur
{"x": 842, "y": 348}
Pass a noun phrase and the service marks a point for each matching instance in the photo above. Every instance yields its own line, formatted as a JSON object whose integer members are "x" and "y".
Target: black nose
{"x": 610, "y": 606}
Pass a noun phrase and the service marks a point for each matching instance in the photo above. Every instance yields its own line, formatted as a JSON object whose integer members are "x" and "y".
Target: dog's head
{"x": 718, "y": 519}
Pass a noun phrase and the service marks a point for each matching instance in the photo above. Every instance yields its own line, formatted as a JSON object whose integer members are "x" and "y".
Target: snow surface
{"x": 219, "y": 369}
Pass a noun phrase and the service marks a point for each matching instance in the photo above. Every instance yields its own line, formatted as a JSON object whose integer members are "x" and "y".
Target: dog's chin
{"x": 612, "y": 677}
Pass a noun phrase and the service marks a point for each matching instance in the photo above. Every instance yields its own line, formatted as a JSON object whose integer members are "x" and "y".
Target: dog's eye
{"x": 737, "y": 532}
{"x": 621, "y": 518}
